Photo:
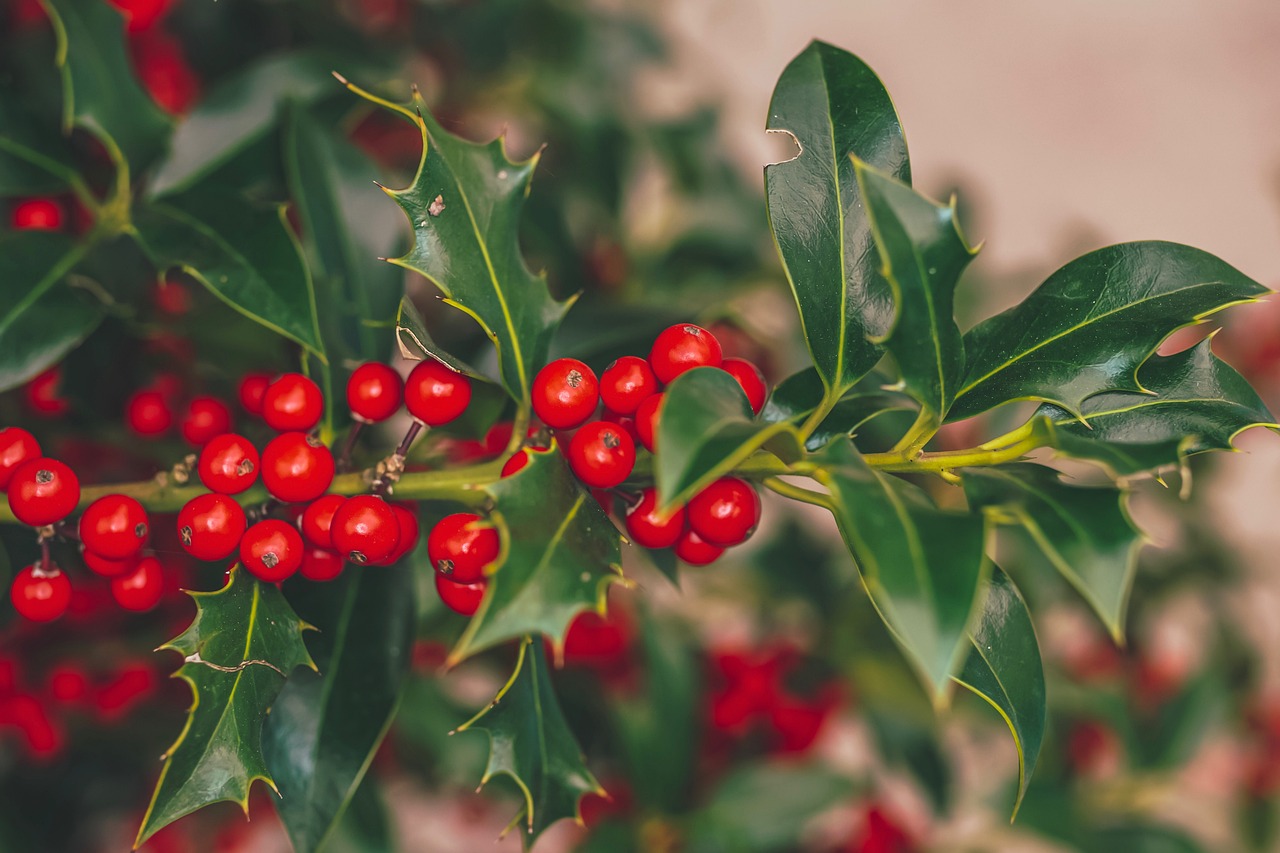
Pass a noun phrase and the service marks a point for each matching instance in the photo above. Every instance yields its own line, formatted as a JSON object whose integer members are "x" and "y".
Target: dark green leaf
{"x": 797, "y": 396}
{"x": 560, "y": 554}
{"x": 1090, "y": 326}
{"x": 706, "y": 430}
{"x": 1085, "y": 533}
{"x": 417, "y": 344}
{"x": 244, "y": 254}
{"x": 923, "y": 254}
{"x": 99, "y": 90}
{"x": 243, "y": 644}
{"x": 1004, "y": 668}
{"x": 1197, "y": 402}
{"x": 833, "y": 106}
{"x": 325, "y": 726}
{"x": 531, "y": 742}
{"x": 35, "y": 158}
{"x": 923, "y": 567}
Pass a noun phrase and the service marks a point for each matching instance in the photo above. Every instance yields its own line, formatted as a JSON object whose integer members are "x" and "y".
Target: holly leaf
{"x": 1085, "y": 533}
{"x": 1005, "y": 669}
{"x": 1195, "y": 402}
{"x": 25, "y": 142}
{"x": 242, "y": 645}
{"x": 99, "y": 90}
{"x": 797, "y": 396}
{"x": 416, "y": 343}
{"x": 1093, "y": 323}
{"x": 707, "y": 429}
{"x": 245, "y": 255}
{"x": 464, "y": 207}
{"x": 833, "y": 106}
{"x": 923, "y": 254}
{"x": 324, "y": 727}
{"x": 530, "y": 741}
{"x": 560, "y": 554}
{"x": 923, "y": 567}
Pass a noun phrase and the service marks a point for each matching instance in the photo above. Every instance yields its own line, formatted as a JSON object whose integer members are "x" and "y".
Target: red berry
{"x": 696, "y": 551}
{"x": 253, "y": 387}
{"x": 320, "y": 564}
{"x": 647, "y": 422}
{"x": 365, "y": 529}
{"x": 460, "y": 597}
{"x": 206, "y": 418}
{"x": 434, "y": 394}
{"x": 565, "y": 393}
{"x": 751, "y": 380}
{"x": 210, "y": 526}
{"x": 374, "y": 392}
{"x": 147, "y": 413}
{"x": 141, "y": 15}
{"x": 648, "y": 528}
{"x": 42, "y": 394}
{"x": 272, "y": 550}
{"x": 407, "y": 524}
{"x": 42, "y": 491}
{"x": 38, "y": 596}
{"x": 140, "y": 590}
{"x": 114, "y": 526}
{"x": 626, "y": 384}
{"x": 461, "y": 545}
{"x": 602, "y": 454}
{"x": 16, "y": 446}
{"x": 682, "y": 347}
{"x": 171, "y": 297}
{"x": 317, "y": 518}
{"x": 37, "y": 214}
{"x": 627, "y": 423}
{"x": 292, "y": 403}
{"x": 164, "y": 71}
{"x": 520, "y": 459}
{"x": 725, "y": 512}
{"x": 68, "y": 683}
{"x": 108, "y": 568}
{"x": 296, "y": 467}
{"x": 228, "y": 464}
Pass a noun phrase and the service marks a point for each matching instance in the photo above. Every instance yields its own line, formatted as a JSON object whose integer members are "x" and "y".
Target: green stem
{"x": 975, "y": 457}
{"x": 818, "y": 415}
{"x": 910, "y": 445}
{"x": 797, "y": 493}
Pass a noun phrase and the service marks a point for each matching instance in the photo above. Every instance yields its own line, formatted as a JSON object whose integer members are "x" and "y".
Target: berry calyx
{"x": 460, "y": 597}
{"x": 210, "y": 526}
{"x": 626, "y": 384}
{"x": 374, "y": 392}
{"x": 602, "y": 454}
{"x": 317, "y": 519}
{"x": 147, "y": 413}
{"x": 37, "y": 214}
{"x": 648, "y": 528}
{"x": 296, "y": 467}
{"x": 682, "y": 347}
{"x": 520, "y": 459}
{"x": 114, "y": 526}
{"x": 461, "y": 545}
{"x": 206, "y": 417}
{"x": 292, "y": 403}
{"x": 695, "y": 550}
{"x": 16, "y": 446}
{"x": 434, "y": 394}
{"x": 228, "y": 464}
{"x": 272, "y": 550}
{"x": 141, "y": 589}
{"x": 40, "y": 596}
{"x": 647, "y": 421}
{"x": 565, "y": 393}
{"x": 108, "y": 568}
{"x": 321, "y": 564}
{"x": 751, "y": 380}
{"x": 726, "y": 512}
{"x": 365, "y": 529}
{"x": 252, "y": 389}
{"x": 42, "y": 491}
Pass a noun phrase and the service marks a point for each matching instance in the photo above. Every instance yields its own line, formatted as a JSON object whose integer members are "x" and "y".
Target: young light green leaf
{"x": 1005, "y": 669}
{"x": 923, "y": 254}
{"x": 706, "y": 430}
{"x": 1196, "y": 403}
{"x": 242, "y": 645}
{"x": 530, "y": 741}
{"x": 833, "y": 106}
{"x": 560, "y": 554}
{"x": 1085, "y": 533}
{"x": 325, "y": 727}
{"x": 1093, "y": 323}
{"x": 923, "y": 567}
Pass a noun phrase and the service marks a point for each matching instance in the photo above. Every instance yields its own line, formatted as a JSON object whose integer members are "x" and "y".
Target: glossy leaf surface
{"x": 797, "y": 396}
{"x": 833, "y": 106}
{"x": 242, "y": 645}
{"x": 1092, "y": 323}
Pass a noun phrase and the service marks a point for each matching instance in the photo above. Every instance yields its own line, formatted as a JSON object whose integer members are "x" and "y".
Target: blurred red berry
{"x": 37, "y": 214}
{"x": 206, "y": 417}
